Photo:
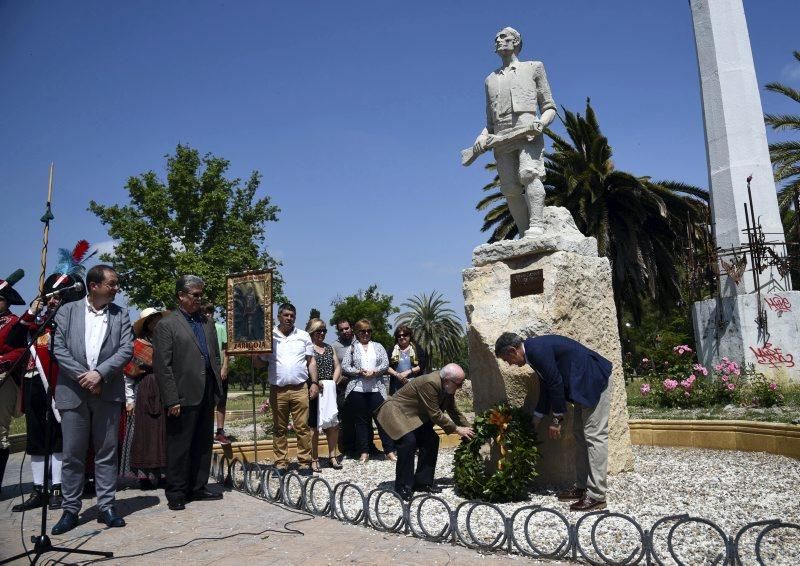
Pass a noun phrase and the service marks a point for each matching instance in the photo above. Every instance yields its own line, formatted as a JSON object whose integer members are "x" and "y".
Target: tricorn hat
{"x": 7, "y": 290}
{"x": 58, "y": 281}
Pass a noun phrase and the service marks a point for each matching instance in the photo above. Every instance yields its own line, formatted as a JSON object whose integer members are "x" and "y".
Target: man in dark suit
{"x": 408, "y": 417}
{"x": 92, "y": 343}
{"x": 570, "y": 372}
{"x": 186, "y": 363}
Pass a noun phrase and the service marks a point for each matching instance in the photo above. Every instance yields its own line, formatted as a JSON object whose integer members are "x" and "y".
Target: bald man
{"x": 408, "y": 417}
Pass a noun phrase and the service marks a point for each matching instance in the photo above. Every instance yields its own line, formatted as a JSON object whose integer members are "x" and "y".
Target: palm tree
{"x": 785, "y": 157}
{"x": 434, "y": 325}
{"x": 640, "y": 225}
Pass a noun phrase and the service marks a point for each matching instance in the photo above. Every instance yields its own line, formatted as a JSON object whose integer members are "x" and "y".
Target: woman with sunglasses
{"x": 407, "y": 361}
{"x": 366, "y": 363}
{"x": 329, "y": 373}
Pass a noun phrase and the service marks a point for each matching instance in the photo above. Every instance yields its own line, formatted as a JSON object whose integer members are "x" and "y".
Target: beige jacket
{"x": 419, "y": 401}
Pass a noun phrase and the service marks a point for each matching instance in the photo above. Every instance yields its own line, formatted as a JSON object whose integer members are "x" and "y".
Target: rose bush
{"x": 682, "y": 382}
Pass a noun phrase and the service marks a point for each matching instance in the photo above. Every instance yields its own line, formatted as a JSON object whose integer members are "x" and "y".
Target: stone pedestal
{"x": 575, "y": 300}
{"x": 727, "y": 328}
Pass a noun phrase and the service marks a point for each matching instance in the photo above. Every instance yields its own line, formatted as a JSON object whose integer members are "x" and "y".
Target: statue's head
{"x": 507, "y": 40}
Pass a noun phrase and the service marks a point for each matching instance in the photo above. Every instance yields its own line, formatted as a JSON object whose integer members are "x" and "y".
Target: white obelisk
{"x": 736, "y": 143}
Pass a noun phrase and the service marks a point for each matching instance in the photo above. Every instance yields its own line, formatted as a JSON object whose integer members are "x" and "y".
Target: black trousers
{"x": 189, "y": 441}
{"x": 424, "y": 439}
{"x": 362, "y": 407}
{"x": 37, "y": 405}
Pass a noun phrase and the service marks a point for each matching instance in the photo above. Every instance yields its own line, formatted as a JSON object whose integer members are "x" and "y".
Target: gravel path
{"x": 728, "y": 488}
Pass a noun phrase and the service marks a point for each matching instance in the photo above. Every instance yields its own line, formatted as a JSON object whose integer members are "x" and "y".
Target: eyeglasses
{"x": 365, "y": 331}
{"x": 403, "y": 335}
{"x": 321, "y": 331}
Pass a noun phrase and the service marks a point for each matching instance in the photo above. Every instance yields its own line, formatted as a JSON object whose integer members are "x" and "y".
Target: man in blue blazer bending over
{"x": 570, "y": 372}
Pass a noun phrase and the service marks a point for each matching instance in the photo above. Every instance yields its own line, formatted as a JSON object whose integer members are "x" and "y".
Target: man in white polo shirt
{"x": 291, "y": 364}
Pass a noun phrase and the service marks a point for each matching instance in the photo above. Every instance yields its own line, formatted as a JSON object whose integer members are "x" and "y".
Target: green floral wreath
{"x": 511, "y": 431}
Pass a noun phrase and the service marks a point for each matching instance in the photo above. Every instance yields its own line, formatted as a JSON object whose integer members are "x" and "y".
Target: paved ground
{"x": 274, "y": 535}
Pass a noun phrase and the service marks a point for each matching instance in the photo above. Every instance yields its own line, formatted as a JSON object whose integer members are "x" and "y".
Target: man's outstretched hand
{"x": 465, "y": 432}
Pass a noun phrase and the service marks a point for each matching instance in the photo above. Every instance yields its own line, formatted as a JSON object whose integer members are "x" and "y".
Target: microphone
{"x": 77, "y": 287}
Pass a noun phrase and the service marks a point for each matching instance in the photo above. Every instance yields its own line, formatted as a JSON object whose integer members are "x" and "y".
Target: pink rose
{"x": 731, "y": 386}
{"x": 724, "y": 378}
{"x": 644, "y": 389}
{"x": 773, "y": 386}
{"x": 670, "y": 384}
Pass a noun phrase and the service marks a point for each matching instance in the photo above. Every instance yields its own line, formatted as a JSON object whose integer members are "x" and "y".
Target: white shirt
{"x": 369, "y": 361}
{"x": 96, "y": 326}
{"x": 287, "y": 362}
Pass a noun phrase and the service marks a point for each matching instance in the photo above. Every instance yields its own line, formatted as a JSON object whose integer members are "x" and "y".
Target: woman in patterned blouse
{"x": 330, "y": 373}
{"x": 365, "y": 363}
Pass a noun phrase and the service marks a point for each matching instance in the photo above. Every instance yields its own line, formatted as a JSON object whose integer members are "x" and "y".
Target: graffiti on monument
{"x": 779, "y": 304}
{"x": 773, "y": 356}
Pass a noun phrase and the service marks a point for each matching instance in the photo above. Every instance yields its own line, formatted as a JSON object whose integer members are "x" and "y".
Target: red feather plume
{"x": 80, "y": 251}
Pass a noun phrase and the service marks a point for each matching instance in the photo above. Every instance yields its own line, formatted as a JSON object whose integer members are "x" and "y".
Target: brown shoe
{"x": 587, "y": 503}
{"x": 569, "y": 494}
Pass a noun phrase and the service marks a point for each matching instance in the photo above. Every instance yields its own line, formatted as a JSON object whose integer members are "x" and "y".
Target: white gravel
{"x": 728, "y": 488}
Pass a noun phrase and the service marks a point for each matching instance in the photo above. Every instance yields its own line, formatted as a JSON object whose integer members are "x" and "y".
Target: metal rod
{"x": 253, "y": 387}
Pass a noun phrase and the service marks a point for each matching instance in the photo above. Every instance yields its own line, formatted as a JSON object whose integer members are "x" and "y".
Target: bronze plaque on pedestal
{"x": 527, "y": 283}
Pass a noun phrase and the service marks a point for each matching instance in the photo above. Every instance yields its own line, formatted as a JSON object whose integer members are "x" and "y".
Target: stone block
{"x": 576, "y": 301}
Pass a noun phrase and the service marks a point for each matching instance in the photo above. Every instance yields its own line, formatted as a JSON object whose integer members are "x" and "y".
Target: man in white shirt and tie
{"x": 92, "y": 343}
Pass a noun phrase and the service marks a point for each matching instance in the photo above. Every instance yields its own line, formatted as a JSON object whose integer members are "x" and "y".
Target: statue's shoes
{"x": 534, "y": 231}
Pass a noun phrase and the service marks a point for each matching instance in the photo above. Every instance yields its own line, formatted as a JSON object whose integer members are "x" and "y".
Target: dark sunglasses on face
{"x": 365, "y": 331}
{"x": 322, "y": 331}
{"x": 402, "y": 335}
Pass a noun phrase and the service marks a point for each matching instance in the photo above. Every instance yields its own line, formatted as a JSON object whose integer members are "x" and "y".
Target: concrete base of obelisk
{"x": 575, "y": 300}
{"x": 728, "y": 327}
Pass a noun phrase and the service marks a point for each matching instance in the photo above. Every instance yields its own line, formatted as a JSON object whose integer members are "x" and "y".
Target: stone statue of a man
{"x": 519, "y": 106}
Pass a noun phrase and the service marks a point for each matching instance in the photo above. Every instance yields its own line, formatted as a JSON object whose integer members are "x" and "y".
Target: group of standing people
{"x": 165, "y": 370}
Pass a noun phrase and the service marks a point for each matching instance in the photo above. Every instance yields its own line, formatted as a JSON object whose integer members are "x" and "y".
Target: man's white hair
{"x": 450, "y": 372}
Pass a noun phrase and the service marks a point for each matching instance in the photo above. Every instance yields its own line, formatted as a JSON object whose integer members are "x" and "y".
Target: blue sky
{"x": 354, "y": 112}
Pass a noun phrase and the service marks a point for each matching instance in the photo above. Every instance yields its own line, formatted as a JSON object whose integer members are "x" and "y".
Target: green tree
{"x": 785, "y": 157}
{"x": 198, "y": 221}
{"x": 640, "y": 225}
{"x": 435, "y": 327}
{"x": 372, "y": 305}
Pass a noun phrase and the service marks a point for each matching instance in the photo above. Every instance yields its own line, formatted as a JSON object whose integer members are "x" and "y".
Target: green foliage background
{"x": 372, "y": 305}
{"x": 197, "y": 221}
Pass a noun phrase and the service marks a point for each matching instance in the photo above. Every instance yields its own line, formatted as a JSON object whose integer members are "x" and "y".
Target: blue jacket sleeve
{"x": 551, "y": 387}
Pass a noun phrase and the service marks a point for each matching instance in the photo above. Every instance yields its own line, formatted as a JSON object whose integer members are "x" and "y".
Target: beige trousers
{"x": 285, "y": 401}
{"x": 590, "y": 428}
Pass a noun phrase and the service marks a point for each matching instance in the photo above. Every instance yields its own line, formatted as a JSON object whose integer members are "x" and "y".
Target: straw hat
{"x": 138, "y": 326}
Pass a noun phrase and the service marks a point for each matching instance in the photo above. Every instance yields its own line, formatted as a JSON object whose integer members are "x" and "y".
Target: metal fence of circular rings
{"x": 669, "y": 539}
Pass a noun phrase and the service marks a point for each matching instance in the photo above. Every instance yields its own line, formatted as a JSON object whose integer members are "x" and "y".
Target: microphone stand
{"x": 41, "y": 543}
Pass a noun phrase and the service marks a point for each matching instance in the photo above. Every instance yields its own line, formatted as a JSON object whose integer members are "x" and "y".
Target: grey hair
{"x": 450, "y": 372}
{"x": 186, "y": 282}
{"x": 506, "y": 342}
{"x": 516, "y": 35}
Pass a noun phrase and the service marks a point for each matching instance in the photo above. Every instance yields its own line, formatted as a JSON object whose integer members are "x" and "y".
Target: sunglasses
{"x": 403, "y": 335}
{"x": 322, "y": 331}
{"x": 365, "y": 331}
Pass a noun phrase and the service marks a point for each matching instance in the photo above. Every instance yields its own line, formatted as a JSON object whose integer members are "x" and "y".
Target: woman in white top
{"x": 366, "y": 362}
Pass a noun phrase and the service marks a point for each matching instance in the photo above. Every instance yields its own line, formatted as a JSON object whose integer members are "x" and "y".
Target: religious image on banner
{"x": 249, "y": 319}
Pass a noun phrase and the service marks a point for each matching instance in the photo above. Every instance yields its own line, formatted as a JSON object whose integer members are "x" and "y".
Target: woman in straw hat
{"x": 144, "y": 452}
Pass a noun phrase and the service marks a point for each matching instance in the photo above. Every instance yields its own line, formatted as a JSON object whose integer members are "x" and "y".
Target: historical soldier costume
{"x": 41, "y": 375}
{"x": 10, "y": 365}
